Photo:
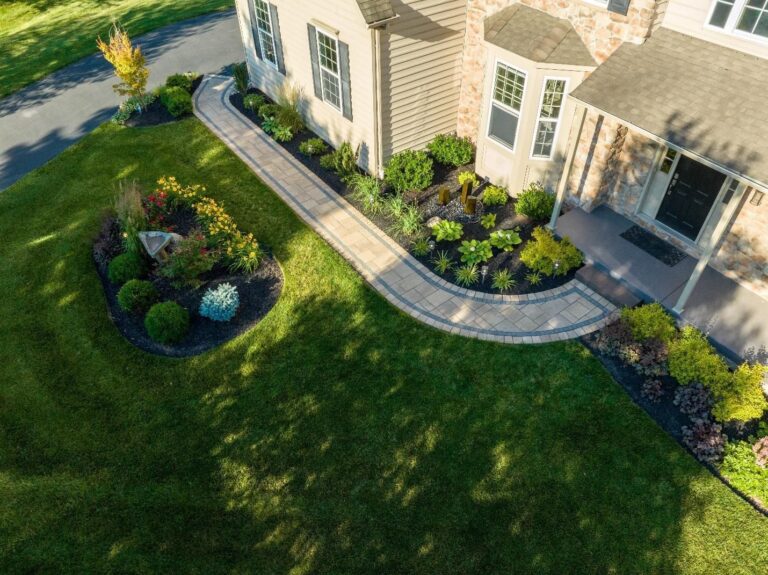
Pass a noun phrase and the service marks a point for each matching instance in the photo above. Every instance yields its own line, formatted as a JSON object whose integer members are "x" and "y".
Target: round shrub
{"x": 535, "y": 202}
{"x": 253, "y": 101}
{"x": 167, "y": 322}
{"x": 409, "y": 171}
{"x": 183, "y": 81}
{"x": 125, "y": 267}
{"x": 220, "y": 303}
{"x": 136, "y": 296}
{"x": 650, "y": 322}
{"x": 176, "y": 100}
{"x": 450, "y": 150}
{"x": 495, "y": 196}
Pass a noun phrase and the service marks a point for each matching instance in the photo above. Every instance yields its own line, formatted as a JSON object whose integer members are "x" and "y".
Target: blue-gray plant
{"x": 220, "y": 303}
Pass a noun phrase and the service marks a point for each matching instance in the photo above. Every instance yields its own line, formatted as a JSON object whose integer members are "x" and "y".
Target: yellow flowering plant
{"x": 177, "y": 194}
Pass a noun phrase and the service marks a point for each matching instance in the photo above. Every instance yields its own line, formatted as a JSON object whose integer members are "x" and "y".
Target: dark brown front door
{"x": 690, "y": 195}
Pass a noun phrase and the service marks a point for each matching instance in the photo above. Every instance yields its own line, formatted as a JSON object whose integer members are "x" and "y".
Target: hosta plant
{"x": 447, "y": 231}
{"x": 220, "y": 303}
{"x": 282, "y": 133}
{"x": 502, "y": 280}
{"x": 488, "y": 221}
{"x": 467, "y": 275}
{"x": 505, "y": 240}
{"x": 474, "y": 252}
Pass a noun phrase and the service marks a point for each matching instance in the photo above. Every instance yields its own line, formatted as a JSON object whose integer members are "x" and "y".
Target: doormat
{"x": 663, "y": 251}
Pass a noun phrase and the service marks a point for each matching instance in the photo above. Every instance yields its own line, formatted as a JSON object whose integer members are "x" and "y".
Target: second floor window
{"x": 549, "y": 117}
{"x": 741, "y": 16}
{"x": 266, "y": 37}
{"x": 328, "y": 59}
{"x": 506, "y": 102}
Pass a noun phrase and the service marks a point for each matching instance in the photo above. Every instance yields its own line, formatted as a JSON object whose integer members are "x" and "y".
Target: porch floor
{"x": 734, "y": 317}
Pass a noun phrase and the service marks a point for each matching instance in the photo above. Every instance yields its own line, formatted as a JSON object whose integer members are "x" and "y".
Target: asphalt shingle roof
{"x": 704, "y": 98}
{"x": 537, "y": 36}
{"x": 376, "y": 10}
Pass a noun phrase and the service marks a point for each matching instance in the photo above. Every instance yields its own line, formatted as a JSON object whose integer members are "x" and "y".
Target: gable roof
{"x": 537, "y": 36}
{"x": 376, "y": 10}
{"x": 699, "y": 96}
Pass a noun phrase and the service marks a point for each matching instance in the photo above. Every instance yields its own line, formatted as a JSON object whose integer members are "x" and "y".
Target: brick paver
{"x": 558, "y": 314}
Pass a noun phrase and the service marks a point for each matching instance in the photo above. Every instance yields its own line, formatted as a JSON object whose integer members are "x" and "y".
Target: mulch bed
{"x": 506, "y": 218}
{"x": 156, "y": 114}
{"x": 258, "y": 295}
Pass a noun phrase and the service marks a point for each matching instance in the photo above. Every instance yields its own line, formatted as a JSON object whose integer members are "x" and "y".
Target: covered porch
{"x": 733, "y": 316}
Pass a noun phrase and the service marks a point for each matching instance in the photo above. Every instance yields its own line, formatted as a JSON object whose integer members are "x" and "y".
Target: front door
{"x": 691, "y": 193}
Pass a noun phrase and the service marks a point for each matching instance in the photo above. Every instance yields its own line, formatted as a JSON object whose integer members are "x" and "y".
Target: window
{"x": 266, "y": 38}
{"x": 749, "y": 17}
{"x": 506, "y": 102}
{"x": 328, "y": 60}
{"x": 550, "y": 111}
{"x": 668, "y": 161}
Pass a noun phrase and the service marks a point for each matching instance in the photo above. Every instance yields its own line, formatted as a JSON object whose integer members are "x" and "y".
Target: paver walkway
{"x": 563, "y": 313}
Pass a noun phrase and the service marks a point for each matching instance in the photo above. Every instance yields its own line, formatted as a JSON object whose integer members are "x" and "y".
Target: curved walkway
{"x": 563, "y": 313}
{"x": 40, "y": 121}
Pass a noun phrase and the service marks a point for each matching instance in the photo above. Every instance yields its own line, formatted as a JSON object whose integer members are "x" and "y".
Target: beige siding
{"x": 331, "y": 15}
{"x": 690, "y": 17}
{"x": 421, "y": 72}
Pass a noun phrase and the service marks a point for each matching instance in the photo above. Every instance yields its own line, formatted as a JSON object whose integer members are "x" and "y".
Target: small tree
{"x": 128, "y": 61}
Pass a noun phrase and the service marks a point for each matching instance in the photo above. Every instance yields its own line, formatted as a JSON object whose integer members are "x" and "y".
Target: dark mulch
{"x": 156, "y": 114}
{"x": 653, "y": 245}
{"x": 258, "y": 295}
{"x": 506, "y": 218}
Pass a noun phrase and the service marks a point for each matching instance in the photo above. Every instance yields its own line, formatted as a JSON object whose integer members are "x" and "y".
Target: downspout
{"x": 377, "y": 115}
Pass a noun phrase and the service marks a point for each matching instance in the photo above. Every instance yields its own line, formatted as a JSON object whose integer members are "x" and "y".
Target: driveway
{"x": 41, "y": 120}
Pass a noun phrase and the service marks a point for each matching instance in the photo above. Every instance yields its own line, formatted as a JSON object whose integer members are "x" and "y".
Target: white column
{"x": 573, "y": 145}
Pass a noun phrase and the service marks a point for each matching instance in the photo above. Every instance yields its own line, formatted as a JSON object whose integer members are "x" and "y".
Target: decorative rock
{"x": 156, "y": 242}
{"x": 433, "y": 221}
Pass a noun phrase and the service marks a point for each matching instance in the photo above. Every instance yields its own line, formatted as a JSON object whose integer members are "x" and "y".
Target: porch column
{"x": 709, "y": 248}
{"x": 573, "y": 145}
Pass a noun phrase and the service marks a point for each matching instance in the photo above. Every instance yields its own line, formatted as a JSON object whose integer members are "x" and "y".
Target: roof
{"x": 537, "y": 36}
{"x": 701, "y": 97}
{"x": 376, "y": 10}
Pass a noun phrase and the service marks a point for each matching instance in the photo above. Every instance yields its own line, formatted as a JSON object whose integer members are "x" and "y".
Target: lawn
{"x": 40, "y": 36}
{"x": 339, "y": 436}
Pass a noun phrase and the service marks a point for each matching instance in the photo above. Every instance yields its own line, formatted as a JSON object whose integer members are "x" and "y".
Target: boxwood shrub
{"x": 650, "y": 322}
{"x": 167, "y": 322}
{"x": 408, "y": 171}
{"x": 535, "y": 202}
{"x": 547, "y": 255}
{"x": 183, "y": 81}
{"x": 450, "y": 150}
{"x": 136, "y": 296}
{"x": 124, "y": 267}
{"x": 177, "y": 101}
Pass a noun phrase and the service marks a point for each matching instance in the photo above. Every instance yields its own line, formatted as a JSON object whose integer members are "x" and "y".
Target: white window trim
{"x": 322, "y": 68}
{"x": 730, "y": 24}
{"x": 600, "y": 3}
{"x": 505, "y": 107}
{"x": 271, "y": 33}
{"x": 558, "y": 121}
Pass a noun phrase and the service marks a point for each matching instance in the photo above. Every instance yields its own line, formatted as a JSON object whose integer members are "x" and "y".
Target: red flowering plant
{"x": 156, "y": 208}
{"x": 190, "y": 259}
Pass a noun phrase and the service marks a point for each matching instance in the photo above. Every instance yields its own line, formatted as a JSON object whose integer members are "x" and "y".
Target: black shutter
{"x": 254, "y": 28}
{"x": 278, "y": 40}
{"x": 619, "y": 6}
{"x": 315, "y": 62}
{"x": 346, "y": 88}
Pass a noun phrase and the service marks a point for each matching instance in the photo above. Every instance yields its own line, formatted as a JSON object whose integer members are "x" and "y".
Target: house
{"x": 643, "y": 116}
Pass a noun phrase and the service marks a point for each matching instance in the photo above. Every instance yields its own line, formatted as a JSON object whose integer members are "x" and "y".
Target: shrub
{"x": 447, "y": 231}
{"x": 183, "y": 81}
{"x": 743, "y": 472}
{"x": 694, "y": 400}
{"x": 450, "y": 150}
{"x": 282, "y": 133}
{"x": 409, "y": 170}
{"x": 474, "y": 252}
{"x": 240, "y": 75}
{"x": 465, "y": 177}
{"x": 535, "y": 202}
{"x": 131, "y": 106}
{"x": 189, "y": 260}
{"x": 176, "y": 100}
{"x": 549, "y": 256}
{"x": 650, "y": 322}
{"x": 420, "y": 246}
{"x": 328, "y": 161}
{"x": 167, "y": 322}
{"x": 288, "y": 102}
{"x": 128, "y": 61}
{"x": 467, "y": 275}
{"x": 267, "y": 111}
{"x": 653, "y": 390}
{"x": 442, "y": 262}
{"x": 742, "y": 397}
{"x": 220, "y": 303}
{"x": 614, "y": 337}
{"x": 495, "y": 196}
{"x": 692, "y": 358}
{"x": 502, "y": 280}
{"x": 253, "y": 102}
{"x": 705, "y": 439}
{"x": 270, "y": 124}
{"x": 124, "y": 267}
{"x": 488, "y": 221}
{"x": 136, "y": 296}
{"x": 342, "y": 161}
{"x": 313, "y": 147}
{"x": 505, "y": 240}
{"x": 367, "y": 191}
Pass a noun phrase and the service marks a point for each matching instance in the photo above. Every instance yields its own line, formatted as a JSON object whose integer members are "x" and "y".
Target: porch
{"x": 734, "y": 317}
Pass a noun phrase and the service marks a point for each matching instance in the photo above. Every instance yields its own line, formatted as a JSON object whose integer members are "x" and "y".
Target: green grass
{"x": 40, "y": 36}
{"x": 339, "y": 436}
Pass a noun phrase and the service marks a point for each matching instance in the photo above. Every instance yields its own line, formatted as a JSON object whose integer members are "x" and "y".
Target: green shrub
{"x": 692, "y": 358}
{"x": 505, "y": 240}
{"x": 136, "y": 296}
{"x": 741, "y": 397}
{"x": 408, "y": 171}
{"x": 328, "y": 161}
{"x": 467, "y": 275}
{"x": 240, "y": 75}
{"x": 650, "y": 322}
{"x": 465, "y": 177}
{"x": 313, "y": 147}
{"x": 220, "y": 303}
{"x": 488, "y": 221}
{"x": 447, "y": 231}
{"x": 474, "y": 252}
{"x": 535, "y": 202}
{"x": 167, "y": 322}
{"x": 183, "y": 81}
{"x": 502, "y": 280}
{"x": 740, "y": 468}
{"x": 253, "y": 102}
{"x": 342, "y": 161}
{"x": 288, "y": 102}
{"x": 124, "y": 267}
{"x": 282, "y": 133}
{"x": 176, "y": 100}
{"x": 450, "y": 150}
{"x": 495, "y": 196}
{"x": 549, "y": 256}
{"x": 267, "y": 111}
{"x": 189, "y": 260}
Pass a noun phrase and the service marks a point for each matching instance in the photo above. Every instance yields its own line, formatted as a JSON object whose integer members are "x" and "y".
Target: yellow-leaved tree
{"x": 128, "y": 61}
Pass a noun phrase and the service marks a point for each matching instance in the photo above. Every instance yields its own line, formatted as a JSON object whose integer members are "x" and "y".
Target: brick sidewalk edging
{"x": 562, "y": 313}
